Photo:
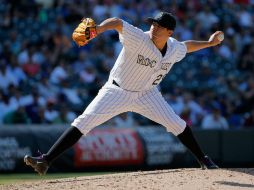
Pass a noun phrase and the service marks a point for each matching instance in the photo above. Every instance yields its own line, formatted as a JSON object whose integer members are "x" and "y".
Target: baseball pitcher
{"x": 145, "y": 59}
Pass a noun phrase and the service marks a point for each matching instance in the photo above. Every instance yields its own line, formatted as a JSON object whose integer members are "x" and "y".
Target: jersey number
{"x": 157, "y": 80}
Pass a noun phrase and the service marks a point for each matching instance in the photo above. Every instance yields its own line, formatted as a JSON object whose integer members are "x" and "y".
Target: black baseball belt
{"x": 115, "y": 83}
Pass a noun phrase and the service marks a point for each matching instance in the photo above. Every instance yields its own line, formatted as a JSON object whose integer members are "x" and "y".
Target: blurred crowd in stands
{"x": 46, "y": 78}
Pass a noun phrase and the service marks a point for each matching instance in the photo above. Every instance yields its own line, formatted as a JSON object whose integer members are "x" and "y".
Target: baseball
{"x": 220, "y": 37}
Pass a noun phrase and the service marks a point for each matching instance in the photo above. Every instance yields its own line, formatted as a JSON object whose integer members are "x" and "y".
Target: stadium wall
{"x": 109, "y": 148}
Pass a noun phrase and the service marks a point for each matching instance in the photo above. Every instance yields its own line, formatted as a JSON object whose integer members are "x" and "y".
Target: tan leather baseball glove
{"x": 85, "y": 32}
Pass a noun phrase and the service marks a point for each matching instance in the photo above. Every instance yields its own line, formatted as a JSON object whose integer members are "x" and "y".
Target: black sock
{"x": 187, "y": 138}
{"x": 65, "y": 141}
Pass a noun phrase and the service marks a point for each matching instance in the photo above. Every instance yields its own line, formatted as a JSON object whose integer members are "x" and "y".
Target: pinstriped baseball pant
{"x": 112, "y": 100}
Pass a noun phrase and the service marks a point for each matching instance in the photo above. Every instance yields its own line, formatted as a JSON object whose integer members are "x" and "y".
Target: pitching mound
{"x": 161, "y": 179}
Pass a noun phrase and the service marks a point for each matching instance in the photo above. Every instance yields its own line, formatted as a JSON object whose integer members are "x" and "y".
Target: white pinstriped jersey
{"x": 138, "y": 69}
{"x": 140, "y": 65}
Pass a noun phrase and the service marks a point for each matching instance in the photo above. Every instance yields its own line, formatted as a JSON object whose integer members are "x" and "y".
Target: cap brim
{"x": 150, "y": 20}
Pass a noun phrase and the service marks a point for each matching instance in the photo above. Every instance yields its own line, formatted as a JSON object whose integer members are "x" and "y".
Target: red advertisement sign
{"x": 109, "y": 147}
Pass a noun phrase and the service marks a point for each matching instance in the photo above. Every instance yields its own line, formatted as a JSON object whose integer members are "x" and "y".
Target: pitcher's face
{"x": 157, "y": 31}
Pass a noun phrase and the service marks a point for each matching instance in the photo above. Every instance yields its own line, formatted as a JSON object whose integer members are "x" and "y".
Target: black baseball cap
{"x": 164, "y": 19}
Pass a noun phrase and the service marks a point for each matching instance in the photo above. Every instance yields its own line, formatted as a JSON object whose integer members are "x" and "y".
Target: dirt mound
{"x": 161, "y": 179}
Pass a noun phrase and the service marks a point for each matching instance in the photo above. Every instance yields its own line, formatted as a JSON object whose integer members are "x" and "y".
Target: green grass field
{"x": 16, "y": 178}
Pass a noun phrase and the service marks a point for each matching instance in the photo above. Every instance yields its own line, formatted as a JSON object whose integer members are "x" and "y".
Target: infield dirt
{"x": 173, "y": 179}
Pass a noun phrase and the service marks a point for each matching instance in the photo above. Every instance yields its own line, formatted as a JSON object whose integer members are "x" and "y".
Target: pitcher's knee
{"x": 83, "y": 125}
{"x": 176, "y": 129}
